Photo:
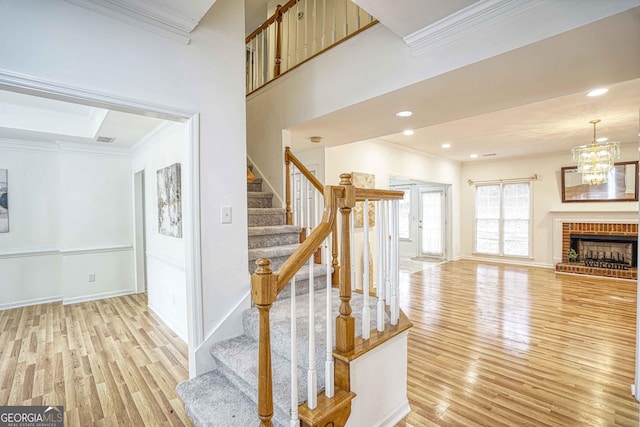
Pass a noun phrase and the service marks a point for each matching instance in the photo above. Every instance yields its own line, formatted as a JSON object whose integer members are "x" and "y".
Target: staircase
{"x": 227, "y": 396}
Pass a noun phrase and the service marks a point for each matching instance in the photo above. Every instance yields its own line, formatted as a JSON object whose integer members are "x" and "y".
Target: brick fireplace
{"x": 608, "y": 249}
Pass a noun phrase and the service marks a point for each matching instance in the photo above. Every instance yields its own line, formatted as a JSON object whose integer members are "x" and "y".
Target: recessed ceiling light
{"x": 405, "y": 113}
{"x": 408, "y": 132}
{"x": 446, "y": 145}
{"x": 598, "y": 92}
{"x": 473, "y": 156}
{"x": 602, "y": 139}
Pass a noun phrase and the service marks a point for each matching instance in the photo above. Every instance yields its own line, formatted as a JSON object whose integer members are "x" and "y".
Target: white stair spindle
{"x": 323, "y": 39}
{"x": 312, "y": 380}
{"x": 328, "y": 364}
{"x": 366, "y": 311}
{"x": 387, "y": 253}
{"x": 346, "y": 18}
{"x": 380, "y": 283}
{"x": 351, "y": 247}
{"x": 333, "y": 28}
{"x": 394, "y": 263}
{"x": 295, "y": 419}
{"x": 303, "y": 201}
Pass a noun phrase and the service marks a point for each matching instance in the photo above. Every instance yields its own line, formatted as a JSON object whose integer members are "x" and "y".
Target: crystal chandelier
{"x": 595, "y": 160}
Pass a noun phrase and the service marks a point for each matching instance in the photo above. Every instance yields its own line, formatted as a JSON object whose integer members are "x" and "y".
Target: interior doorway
{"x": 140, "y": 232}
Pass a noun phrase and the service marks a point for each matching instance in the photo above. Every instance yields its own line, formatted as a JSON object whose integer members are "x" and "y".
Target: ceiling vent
{"x": 105, "y": 139}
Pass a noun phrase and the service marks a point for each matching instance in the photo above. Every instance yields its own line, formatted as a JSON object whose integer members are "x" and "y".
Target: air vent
{"x": 489, "y": 155}
{"x": 105, "y": 139}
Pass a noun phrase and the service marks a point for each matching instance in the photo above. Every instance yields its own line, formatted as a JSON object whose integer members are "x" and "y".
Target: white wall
{"x": 70, "y": 216}
{"x": 165, "y": 255}
{"x": 59, "y": 42}
{"x": 377, "y": 62}
{"x": 546, "y": 197}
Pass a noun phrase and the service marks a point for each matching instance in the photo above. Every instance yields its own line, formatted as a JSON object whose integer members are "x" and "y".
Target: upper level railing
{"x": 298, "y": 31}
{"x": 333, "y": 233}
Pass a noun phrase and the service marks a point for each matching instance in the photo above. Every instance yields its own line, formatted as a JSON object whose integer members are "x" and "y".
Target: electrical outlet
{"x": 92, "y": 277}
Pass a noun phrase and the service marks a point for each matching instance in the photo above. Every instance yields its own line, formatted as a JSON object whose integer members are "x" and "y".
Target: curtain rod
{"x": 500, "y": 181}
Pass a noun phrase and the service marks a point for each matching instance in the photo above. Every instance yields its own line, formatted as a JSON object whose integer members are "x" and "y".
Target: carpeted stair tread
{"x": 273, "y": 229}
{"x": 273, "y": 251}
{"x": 265, "y": 216}
{"x": 211, "y": 400}
{"x": 237, "y": 358}
{"x": 279, "y": 316}
{"x": 259, "y": 199}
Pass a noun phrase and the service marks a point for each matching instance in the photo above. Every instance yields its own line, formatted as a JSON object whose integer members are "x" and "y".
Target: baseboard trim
{"x": 25, "y": 303}
{"x": 94, "y": 297}
{"x": 509, "y": 261}
{"x": 399, "y": 413}
{"x": 229, "y": 327}
{"x": 170, "y": 325}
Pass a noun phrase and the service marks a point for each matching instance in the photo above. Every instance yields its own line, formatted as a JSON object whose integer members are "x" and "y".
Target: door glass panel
{"x": 431, "y": 238}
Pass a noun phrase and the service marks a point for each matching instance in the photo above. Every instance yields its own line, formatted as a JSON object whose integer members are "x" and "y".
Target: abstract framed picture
{"x": 170, "y": 201}
{"x": 363, "y": 180}
{"x": 4, "y": 201}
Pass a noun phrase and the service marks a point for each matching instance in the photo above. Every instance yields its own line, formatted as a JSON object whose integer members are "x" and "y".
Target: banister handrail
{"x": 270, "y": 20}
{"x": 311, "y": 244}
{"x": 288, "y": 155}
{"x": 267, "y": 284}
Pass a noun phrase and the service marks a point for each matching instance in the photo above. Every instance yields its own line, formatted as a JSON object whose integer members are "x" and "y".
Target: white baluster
{"x": 304, "y": 202}
{"x": 394, "y": 263}
{"x": 387, "y": 252}
{"x": 314, "y": 45}
{"x": 323, "y": 39}
{"x": 366, "y": 311}
{"x": 352, "y": 248}
{"x": 334, "y": 29}
{"x": 346, "y": 18}
{"x": 357, "y": 17}
{"x": 306, "y": 30}
{"x": 312, "y": 381}
{"x": 380, "y": 283}
{"x": 295, "y": 419}
{"x": 295, "y": 61}
{"x": 328, "y": 364}
{"x": 295, "y": 206}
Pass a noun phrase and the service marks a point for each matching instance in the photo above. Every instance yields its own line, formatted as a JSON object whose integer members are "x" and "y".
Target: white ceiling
{"x": 525, "y": 102}
{"x": 30, "y": 118}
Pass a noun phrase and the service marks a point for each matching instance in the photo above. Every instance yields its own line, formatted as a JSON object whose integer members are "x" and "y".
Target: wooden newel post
{"x": 276, "y": 68}
{"x": 345, "y": 323}
{"x": 288, "y": 178}
{"x": 263, "y": 293}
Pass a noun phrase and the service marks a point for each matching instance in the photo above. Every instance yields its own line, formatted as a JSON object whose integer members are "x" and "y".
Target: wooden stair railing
{"x": 273, "y": 50}
{"x": 267, "y": 284}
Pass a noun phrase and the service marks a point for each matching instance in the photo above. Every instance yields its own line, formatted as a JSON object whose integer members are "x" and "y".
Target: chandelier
{"x": 595, "y": 160}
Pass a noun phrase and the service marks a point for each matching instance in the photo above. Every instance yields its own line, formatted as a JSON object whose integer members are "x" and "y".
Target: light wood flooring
{"x": 492, "y": 345}
{"x": 500, "y": 345}
{"x": 109, "y": 362}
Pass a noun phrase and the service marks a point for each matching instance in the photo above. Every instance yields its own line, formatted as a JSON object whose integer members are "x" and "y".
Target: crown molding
{"x": 146, "y": 15}
{"x": 465, "y": 21}
{"x": 62, "y": 147}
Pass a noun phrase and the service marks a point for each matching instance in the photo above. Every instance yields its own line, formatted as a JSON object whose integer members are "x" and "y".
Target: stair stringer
{"x": 230, "y": 327}
{"x": 258, "y": 173}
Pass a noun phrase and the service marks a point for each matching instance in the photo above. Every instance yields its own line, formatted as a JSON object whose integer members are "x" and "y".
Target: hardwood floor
{"x": 492, "y": 345}
{"x": 500, "y": 345}
{"x": 109, "y": 362}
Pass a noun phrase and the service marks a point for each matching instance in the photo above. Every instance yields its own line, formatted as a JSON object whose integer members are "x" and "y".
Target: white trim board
{"x": 26, "y": 303}
{"x": 95, "y": 297}
{"x": 64, "y": 251}
{"x": 29, "y": 85}
{"x": 167, "y": 259}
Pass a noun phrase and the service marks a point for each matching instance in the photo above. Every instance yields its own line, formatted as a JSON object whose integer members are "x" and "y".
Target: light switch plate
{"x": 225, "y": 214}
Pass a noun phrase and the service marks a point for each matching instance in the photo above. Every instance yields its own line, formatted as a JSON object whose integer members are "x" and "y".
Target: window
{"x": 503, "y": 213}
{"x": 405, "y": 214}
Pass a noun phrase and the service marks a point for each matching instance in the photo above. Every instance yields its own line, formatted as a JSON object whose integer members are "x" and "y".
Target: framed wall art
{"x": 170, "y": 201}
